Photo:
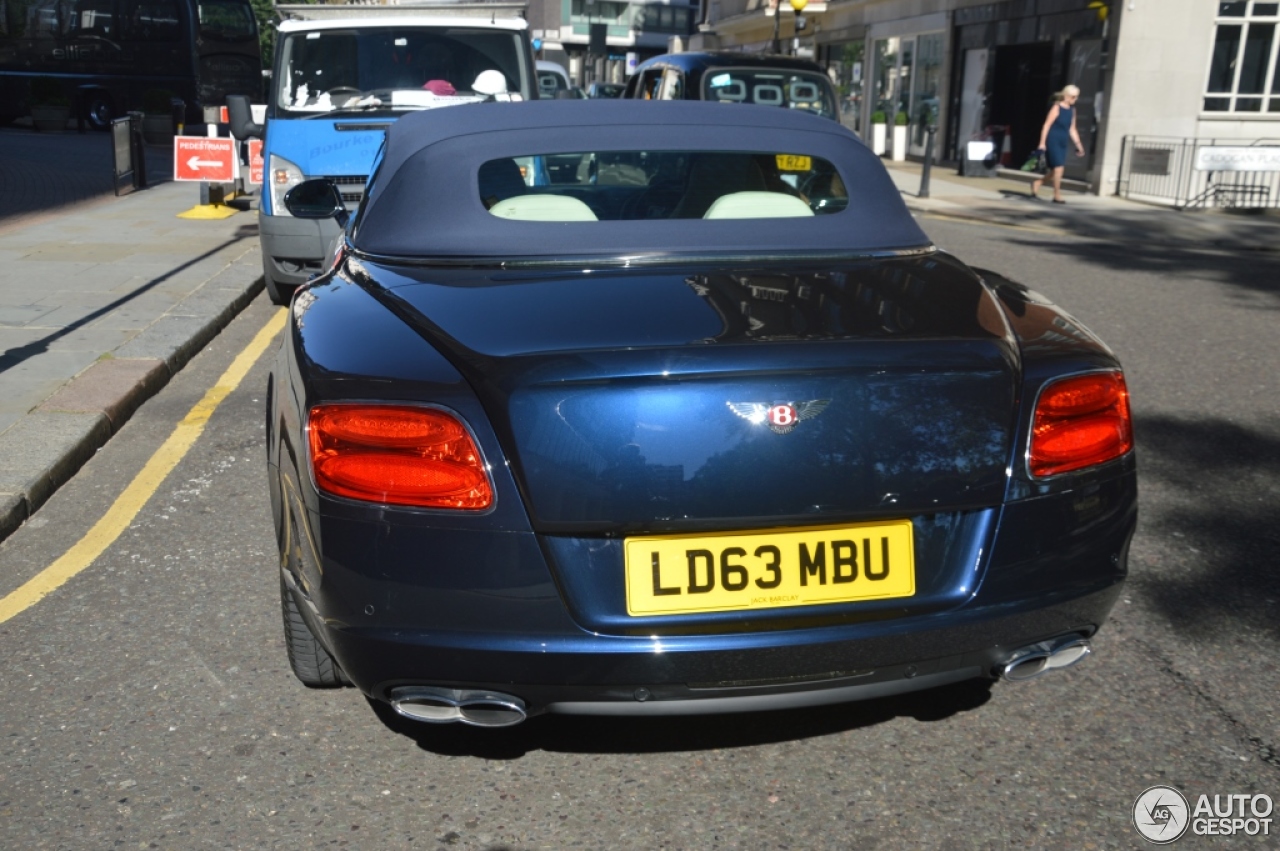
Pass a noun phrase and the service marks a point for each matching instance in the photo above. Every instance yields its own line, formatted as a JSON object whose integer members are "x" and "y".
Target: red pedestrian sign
{"x": 207, "y": 159}
{"x": 255, "y": 161}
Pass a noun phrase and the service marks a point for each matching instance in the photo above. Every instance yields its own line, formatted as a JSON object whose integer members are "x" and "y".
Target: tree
{"x": 265, "y": 12}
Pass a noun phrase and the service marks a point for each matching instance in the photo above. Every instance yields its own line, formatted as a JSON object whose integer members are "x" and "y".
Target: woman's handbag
{"x": 1036, "y": 162}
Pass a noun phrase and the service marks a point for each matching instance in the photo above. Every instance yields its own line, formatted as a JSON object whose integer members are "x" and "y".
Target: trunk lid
{"x": 668, "y": 399}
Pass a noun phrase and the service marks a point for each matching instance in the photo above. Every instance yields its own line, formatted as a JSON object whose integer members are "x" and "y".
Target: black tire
{"x": 99, "y": 110}
{"x": 278, "y": 293}
{"x": 311, "y": 663}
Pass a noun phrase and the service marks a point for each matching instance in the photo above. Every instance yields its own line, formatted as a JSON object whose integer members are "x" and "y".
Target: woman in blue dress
{"x": 1059, "y": 129}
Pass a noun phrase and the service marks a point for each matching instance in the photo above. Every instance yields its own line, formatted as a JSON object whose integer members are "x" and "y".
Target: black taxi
{"x": 727, "y": 77}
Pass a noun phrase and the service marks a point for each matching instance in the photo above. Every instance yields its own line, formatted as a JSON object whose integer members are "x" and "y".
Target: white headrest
{"x": 543, "y": 208}
{"x": 757, "y": 205}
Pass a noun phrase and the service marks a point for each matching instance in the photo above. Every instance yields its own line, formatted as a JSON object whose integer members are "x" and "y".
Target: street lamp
{"x": 797, "y": 6}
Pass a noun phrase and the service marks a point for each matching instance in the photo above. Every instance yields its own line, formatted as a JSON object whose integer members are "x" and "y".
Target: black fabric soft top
{"x": 424, "y": 199}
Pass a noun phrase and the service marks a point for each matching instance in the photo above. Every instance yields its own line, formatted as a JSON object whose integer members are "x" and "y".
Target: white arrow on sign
{"x": 196, "y": 162}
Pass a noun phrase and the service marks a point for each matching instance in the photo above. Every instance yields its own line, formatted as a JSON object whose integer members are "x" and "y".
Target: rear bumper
{"x": 684, "y": 675}
{"x": 399, "y": 619}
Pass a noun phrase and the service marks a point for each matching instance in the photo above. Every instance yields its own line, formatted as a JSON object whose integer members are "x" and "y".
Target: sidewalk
{"x": 102, "y": 301}
{"x": 1007, "y": 201}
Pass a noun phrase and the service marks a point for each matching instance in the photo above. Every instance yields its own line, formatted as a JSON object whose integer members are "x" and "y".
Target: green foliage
{"x": 157, "y": 102}
{"x": 13, "y": 17}
{"x": 265, "y": 12}
{"x": 878, "y": 117}
{"x": 46, "y": 91}
{"x": 852, "y": 52}
{"x": 900, "y": 119}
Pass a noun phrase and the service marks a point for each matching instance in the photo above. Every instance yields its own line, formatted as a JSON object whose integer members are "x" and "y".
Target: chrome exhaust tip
{"x": 1030, "y": 662}
{"x": 448, "y": 705}
{"x": 1069, "y": 653}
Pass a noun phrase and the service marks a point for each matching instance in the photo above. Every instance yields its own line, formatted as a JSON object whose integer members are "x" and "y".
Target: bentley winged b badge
{"x": 781, "y": 417}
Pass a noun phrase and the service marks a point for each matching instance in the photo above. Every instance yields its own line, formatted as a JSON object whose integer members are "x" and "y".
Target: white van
{"x": 552, "y": 78}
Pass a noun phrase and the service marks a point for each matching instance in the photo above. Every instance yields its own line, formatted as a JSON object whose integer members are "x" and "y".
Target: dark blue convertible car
{"x": 674, "y": 410}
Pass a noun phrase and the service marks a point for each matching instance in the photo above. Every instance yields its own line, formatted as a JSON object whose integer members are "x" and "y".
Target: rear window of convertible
{"x": 634, "y": 185}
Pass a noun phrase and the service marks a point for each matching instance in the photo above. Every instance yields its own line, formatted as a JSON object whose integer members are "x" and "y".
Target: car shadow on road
{"x": 610, "y": 735}
{"x": 1248, "y": 272}
{"x": 1218, "y": 525}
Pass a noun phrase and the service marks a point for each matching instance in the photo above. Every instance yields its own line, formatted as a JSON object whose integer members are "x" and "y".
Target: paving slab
{"x": 113, "y": 388}
{"x": 39, "y": 453}
{"x": 23, "y": 397}
{"x": 19, "y": 315}
{"x": 103, "y": 300}
{"x": 38, "y": 361}
{"x": 92, "y": 342}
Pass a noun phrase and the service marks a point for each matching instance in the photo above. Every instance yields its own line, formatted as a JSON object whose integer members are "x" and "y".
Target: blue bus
{"x": 108, "y": 56}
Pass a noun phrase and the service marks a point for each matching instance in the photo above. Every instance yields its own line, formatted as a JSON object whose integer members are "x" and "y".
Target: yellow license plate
{"x": 794, "y": 162}
{"x": 685, "y": 574}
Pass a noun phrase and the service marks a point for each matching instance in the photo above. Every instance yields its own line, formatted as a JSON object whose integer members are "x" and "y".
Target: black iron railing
{"x": 1193, "y": 173}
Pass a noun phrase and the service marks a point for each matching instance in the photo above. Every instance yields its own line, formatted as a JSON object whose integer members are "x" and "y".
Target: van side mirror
{"x": 240, "y": 115}
{"x": 317, "y": 198}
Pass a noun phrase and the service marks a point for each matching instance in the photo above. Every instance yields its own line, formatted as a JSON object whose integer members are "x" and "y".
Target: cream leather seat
{"x": 757, "y": 205}
{"x": 543, "y": 208}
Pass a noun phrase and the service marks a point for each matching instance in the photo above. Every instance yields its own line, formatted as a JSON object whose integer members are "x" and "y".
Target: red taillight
{"x": 1080, "y": 422}
{"x": 397, "y": 454}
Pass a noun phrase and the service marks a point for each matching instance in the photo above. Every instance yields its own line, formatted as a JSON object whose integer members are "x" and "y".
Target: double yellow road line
{"x": 144, "y": 485}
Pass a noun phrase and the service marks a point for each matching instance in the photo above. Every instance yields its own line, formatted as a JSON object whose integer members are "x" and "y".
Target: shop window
{"x": 1244, "y": 69}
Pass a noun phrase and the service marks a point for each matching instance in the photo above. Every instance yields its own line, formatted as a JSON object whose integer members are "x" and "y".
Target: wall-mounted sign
{"x": 1149, "y": 161}
{"x": 1254, "y": 158}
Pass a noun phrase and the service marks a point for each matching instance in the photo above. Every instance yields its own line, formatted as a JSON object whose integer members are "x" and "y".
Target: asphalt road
{"x": 148, "y": 703}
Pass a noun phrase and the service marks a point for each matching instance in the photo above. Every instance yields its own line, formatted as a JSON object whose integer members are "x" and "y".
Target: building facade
{"x": 987, "y": 71}
{"x": 626, "y": 34}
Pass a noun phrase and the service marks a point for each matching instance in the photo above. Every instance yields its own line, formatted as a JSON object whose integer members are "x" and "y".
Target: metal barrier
{"x": 1196, "y": 173}
{"x": 128, "y": 154}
